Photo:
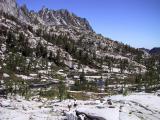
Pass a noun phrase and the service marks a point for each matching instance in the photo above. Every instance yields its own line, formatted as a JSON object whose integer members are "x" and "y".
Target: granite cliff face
{"x": 65, "y": 40}
{"x": 63, "y": 17}
{"x": 9, "y": 6}
{"x": 48, "y": 17}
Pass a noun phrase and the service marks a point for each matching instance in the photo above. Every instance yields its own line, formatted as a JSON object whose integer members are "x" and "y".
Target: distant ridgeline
{"x": 155, "y": 51}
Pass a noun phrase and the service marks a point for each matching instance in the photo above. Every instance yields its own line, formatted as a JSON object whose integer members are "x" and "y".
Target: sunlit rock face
{"x": 49, "y": 17}
{"x": 9, "y": 6}
{"x": 63, "y": 17}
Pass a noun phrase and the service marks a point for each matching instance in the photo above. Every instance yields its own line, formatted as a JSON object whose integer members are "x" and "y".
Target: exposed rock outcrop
{"x": 9, "y": 6}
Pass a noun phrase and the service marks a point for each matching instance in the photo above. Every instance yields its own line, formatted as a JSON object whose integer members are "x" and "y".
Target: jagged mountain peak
{"x": 63, "y": 17}
{"x": 60, "y": 17}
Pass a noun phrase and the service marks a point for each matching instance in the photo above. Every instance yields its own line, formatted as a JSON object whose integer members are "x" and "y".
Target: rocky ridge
{"x": 65, "y": 41}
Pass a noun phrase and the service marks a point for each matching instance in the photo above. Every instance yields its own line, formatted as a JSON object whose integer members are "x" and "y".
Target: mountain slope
{"x": 155, "y": 51}
{"x": 47, "y": 42}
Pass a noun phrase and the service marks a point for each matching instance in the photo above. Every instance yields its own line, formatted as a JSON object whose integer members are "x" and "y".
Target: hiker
{"x": 69, "y": 105}
{"x": 101, "y": 99}
{"x": 109, "y": 102}
{"x": 75, "y": 103}
{"x": 120, "y": 108}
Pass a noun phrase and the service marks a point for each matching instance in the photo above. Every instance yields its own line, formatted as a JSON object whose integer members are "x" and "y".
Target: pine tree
{"x": 11, "y": 41}
{"x": 61, "y": 90}
{"x": 58, "y": 57}
{"x": 106, "y": 84}
{"x": 83, "y": 80}
{"x": 138, "y": 81}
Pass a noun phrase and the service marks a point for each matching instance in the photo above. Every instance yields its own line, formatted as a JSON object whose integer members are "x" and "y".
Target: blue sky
{"x": 134, "y": 22}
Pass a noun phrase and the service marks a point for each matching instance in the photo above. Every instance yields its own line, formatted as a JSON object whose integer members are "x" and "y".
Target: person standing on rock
{"x": 75, "y": 103}
{"x": 109, "y": 102}
{"x": 69, "y": 105}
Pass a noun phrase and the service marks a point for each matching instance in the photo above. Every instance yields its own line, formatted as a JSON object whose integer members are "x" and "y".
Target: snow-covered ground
{"x": 136, "y": 106}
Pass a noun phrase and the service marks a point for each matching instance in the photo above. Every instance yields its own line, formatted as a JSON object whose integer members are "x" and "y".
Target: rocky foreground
{"x": 137, "y": 106}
